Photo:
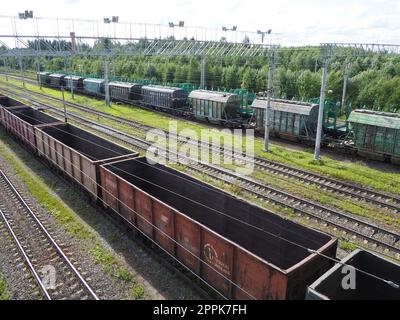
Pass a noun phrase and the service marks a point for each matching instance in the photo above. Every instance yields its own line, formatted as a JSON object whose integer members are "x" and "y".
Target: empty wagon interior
{"x": 33, "y": 117}
{"x": 8, "y": 102}
{"x": 92, "y": 146}
{"x": 221, "y": 213}
{"x": 331, "y": 284}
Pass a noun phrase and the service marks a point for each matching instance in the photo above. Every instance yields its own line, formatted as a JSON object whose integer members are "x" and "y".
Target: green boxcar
{"x": 93, "y": 86}
{"x": 286, "y": 117}
{"x": 213, "y": 106}
{"x": 43, "y": 78}
{"x": 376, "y": 131}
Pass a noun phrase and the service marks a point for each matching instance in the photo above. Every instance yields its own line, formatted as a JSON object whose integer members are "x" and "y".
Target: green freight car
{"x": 43, "y": 78}
{"x": 376, "y": 133}
{"x": 288, "y": 119}
{"x": 214, "y": 107}
{"x": 94, "y": 86}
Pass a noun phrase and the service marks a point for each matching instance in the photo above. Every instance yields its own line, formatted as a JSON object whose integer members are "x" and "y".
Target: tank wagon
{"x": 329, "y": 286}
{"x": 124, "y": 91}
{"x": 200, "y": 226}
{"x": 78, "y": 153}
{"x": 288, "y": 119}
{"x": 73, "y": 81}
{"x": 93, "y": 87}
{"x": 164, "y": 98}
{"x": 376, "y": 134}
{"x": 214, "y": 107}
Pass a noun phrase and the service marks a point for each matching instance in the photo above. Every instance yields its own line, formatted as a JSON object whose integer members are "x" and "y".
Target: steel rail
{"x": 49, "y": 237}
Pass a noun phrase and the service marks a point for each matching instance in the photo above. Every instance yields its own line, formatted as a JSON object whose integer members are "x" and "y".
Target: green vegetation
{"x": 374, "y": 78}
{"x": 68, "y": 219}
{"x": 347, "y": 246}
{"x": 103, "y": 257}
{"x": 3, "y": 289}
{"x": 137, "y": 291}
{"x": 124, "y": 274}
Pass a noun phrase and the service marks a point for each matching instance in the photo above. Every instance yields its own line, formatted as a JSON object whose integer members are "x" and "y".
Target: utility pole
{"x": 5, "y": 68}
{"x": 38, "y": 70}
{"x": 65, "y": 107}
{"x": 269, "y": 95}
{"x": 321, "y": 106}
{"x": 203, "y": 72}
{"x": 106, "y": 87}
{"x": 71, "y": 82}
{"x": 346, "y": 78}
{"x": 21, "y": 69}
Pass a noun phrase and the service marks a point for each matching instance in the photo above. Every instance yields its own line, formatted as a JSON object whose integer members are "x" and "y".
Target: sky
{"x": 292, "y": 22}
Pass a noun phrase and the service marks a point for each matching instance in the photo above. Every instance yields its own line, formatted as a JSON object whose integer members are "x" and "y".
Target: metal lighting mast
{"x": 106, "y": 83}
{"x": 271, "y": 59}
{"x": 317, "y": 151}
{"x": 203, "y": 72}
{"x": 346, "y": 78}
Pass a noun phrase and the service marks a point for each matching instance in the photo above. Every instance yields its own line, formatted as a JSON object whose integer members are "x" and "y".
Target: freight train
{"x": 241, "y": 250}
{"x": 371, "y": 134}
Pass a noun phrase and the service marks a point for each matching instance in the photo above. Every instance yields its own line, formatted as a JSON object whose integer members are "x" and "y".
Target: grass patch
{"x": 137, "y": 291}
{"x": 102, "y": 256}
{"x": 124, "y": 275}
{"x": 313, "y": 193}
{"x": 3, "y": 289}
{"x": 347, "y": 246}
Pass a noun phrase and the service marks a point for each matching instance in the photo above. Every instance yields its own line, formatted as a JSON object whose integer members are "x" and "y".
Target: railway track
{"x": 39, "y": 250}
{"x": 369, "y": 233}
{"x": 335, "y": 186}
{"x": 350, "y": 226}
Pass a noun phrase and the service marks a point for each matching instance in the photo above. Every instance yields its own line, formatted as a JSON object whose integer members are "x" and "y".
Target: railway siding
{"x": 350, "y": 172}
{"x": 382, "y": 240}
{"x": 380, "y": 207}
{"x": 379, "y": 238}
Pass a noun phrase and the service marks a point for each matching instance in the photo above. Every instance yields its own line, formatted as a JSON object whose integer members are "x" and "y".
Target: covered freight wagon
{"x": 57, "y": 80}
{"x": 124, "y": 91}
{"x": 43, "y": 78}
{"x": 215, "y": 107}
{"x": 212, "y": 233}
{"x": 376, "y": 134}
{"x": 344, "y": 284}
{"x": 165, "y": 98}
{"x": 287, "y": 119}
{"x": 75, "y": 82}
{"x": 78, "y": 153}
{"x": 93, "y": 86}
